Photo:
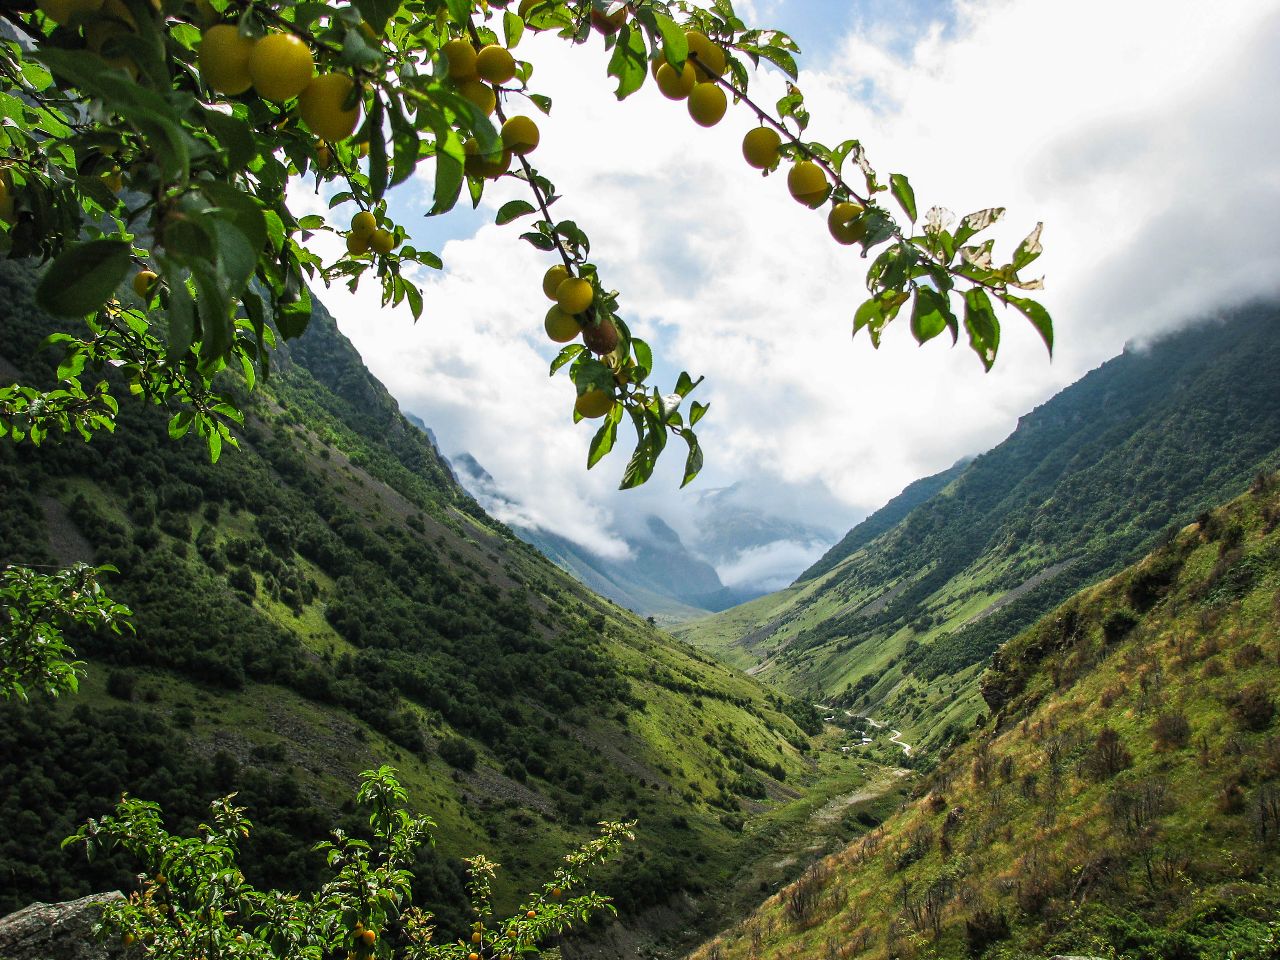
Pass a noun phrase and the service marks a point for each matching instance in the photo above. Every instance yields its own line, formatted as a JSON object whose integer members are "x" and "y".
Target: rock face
{"x": 57, "y": 931}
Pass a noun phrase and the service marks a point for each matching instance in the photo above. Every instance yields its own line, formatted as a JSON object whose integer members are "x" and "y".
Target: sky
{"x": 1142, "y": 134}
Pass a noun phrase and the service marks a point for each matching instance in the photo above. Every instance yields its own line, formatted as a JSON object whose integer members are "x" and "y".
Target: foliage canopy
{"x": 160, "y": 138}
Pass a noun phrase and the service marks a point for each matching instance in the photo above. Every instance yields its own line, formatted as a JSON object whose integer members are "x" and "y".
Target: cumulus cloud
{"x": 1138, "y": 132}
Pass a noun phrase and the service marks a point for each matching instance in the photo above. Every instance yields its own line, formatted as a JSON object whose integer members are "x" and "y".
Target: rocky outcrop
{"x": 57, "y": 931}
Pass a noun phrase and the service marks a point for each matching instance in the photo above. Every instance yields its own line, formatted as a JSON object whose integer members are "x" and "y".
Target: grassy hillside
{"x": 1122, "y": 801}
{"x": 326, "y": 599}
{"x": 900, "y": 618}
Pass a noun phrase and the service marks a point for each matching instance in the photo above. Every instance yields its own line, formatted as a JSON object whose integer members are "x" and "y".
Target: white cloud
{"x": 1139, "y": 132}
{"x": 772, "y": 566}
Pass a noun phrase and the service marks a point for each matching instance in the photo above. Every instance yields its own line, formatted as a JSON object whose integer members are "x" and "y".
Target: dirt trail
{"x": 836, "y": 807}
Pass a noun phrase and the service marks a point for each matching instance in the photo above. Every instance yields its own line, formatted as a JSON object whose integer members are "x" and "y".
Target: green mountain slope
{"x": 899, "y": 618}
{"x": 1122, "y": 801}
{"x": 326, "y": 599}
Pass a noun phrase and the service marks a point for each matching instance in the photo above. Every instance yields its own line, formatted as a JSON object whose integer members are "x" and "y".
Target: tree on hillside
{"x": 146, "y": 154}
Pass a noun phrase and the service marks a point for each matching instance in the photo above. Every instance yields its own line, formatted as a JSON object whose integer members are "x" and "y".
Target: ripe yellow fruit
{"x": 707, "y": 104}
{"x": 676, "y": 84}
{"x": 477, "y": 937}
{"x": 114, "y": 180}
{"x": 560, "y": 326}
{"x": 462, "y": 59}
{"x": 479, "y": 93}
{"x": 281, "y": 66}
{"x": 65, "y": 11}
{"x": 224, "y": 59}
{"x": 490, "y": 167}
{"x": 358, "y": 243}
{"x": 760, "y": 147}
{"x": 473, "y": 956}
{"x": 807, "y": 183}
{"x": 495, "y": 64}
{"x": 363, "y": 224}
{"x": 367, "y": 937}
{"x": 520, "y": 135}
{"x": 591, "y": 405}
{"x": 846, "y": 223}
{"x": 607, "y": 24}
{"x": 128, "y": 940}
{"x": 324, "y": 156}
{"x": 574, "y": 295}
{"x": 552, "y": 279}
{"x": 321, "y": 107}
{"x": 382, "y": 242}
{"x": 143, "y": 281}
{"x": 556, "y": 892}
{"x": 113, "y": 20}
{"x": 707, "y": 54}
{"x": 206, "y": 16}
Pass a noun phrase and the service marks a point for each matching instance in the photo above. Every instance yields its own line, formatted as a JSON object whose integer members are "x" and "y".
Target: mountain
{"x": 1122, "y": 799}
{"x": 901, "y": 615}
{"x": 327, "y": 598}
{"x": 661, "y": 576}
{"x": 657, "y": 578}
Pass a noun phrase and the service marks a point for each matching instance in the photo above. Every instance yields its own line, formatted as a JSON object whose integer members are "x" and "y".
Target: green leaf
{"x": 903, "y": 193}
{"x": 982, "y": 326}
{"x": 240, "y": 209}
{"x": 181, "y": 313}
{"x": 449, "y": 165}
{"x": 377, "y": 12}
{"x": 379, "y": 175}
{"x": 83, "y": 277}
{"x": 404, "y": 142}
{"x": 974, "y": 223}
{"x": 629, "y": 63}
{"x": 643, "y": 354}
{"x": 1038, "y": 316}
{"x": 234, "y": 136}
{"x": 929, "y": 316}
{"x": 1029, "y": 249}
{"x": 414, "y": 296}
{"x": 512, "y": 28}
{"x": 513, "y": 210}
{"x": 568, "y": 353}
{"x": 693, "y": 462}
{"x": 675, "y": 47}
{"x": 357, "y": 51}
{"x": 640, "y": 466}
{"x": 697, "y": 411}
{"x": 602, "y": 442}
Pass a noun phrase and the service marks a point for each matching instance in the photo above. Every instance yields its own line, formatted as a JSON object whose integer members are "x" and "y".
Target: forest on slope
{"x": 326, "y": 598}
{"x": 900, "y": 617}
{"x": 1122, "y": 799}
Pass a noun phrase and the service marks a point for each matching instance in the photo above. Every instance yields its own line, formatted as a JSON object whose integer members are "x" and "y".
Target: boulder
{"x": 57, "y": 931}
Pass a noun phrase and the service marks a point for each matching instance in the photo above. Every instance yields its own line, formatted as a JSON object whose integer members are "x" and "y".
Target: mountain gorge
{"x": 326, "y": 598}
{"x": 900, "y": 617}
{"x": 658, "y": 575}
